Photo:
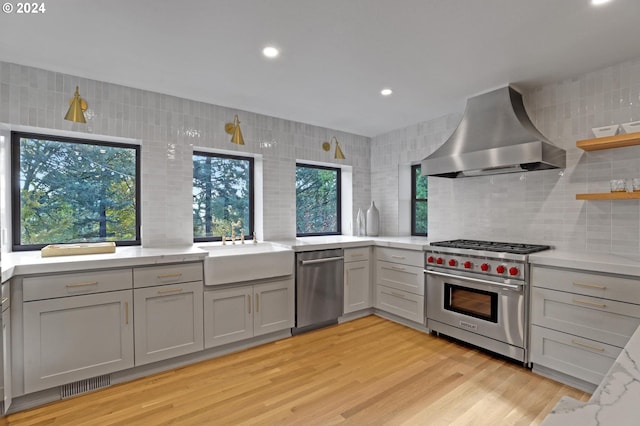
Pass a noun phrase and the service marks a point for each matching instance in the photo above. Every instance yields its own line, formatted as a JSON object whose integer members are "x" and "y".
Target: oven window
{"x": 469, "y": 301}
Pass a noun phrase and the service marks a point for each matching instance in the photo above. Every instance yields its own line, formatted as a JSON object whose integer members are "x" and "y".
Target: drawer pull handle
{"x": 586, "y": 302}
{"x": 173, "y": 290}
{"x": 126, "y": 312}
{"x": 249, "y": 303}
{"x": 400, "y": 295}
{"x": 357, "y": 255}
{"x": 163, "y": 276}
{"x": 257, "y": 303}
{"x": 584, "y": 345}
{"x": 82, "y": 284}
{"x": 394, "y": 268}
{"x": 599, "y": 287}
{"x": 4, "y": 299}
{"x": 393, "y": 256}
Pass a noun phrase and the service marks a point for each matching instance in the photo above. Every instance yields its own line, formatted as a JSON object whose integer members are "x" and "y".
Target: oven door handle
{"x": 477, "y": 280}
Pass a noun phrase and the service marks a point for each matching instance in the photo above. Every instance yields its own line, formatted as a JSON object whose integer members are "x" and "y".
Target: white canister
{"x": 373, "y": 220}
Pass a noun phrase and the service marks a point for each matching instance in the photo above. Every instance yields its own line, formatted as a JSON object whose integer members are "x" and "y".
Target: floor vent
{"x": 83, "y": 386}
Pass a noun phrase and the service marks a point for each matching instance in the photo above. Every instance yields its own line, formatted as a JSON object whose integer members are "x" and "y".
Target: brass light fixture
{"x": 339, "y": 155}
{"x": 234, "y": 130}
{"x": 77, "y": 107}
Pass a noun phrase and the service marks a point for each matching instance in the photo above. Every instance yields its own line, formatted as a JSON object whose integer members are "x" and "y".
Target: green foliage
{"x": 421, "y": 203}
{"x": 71, "y": 192}
{"x": 316, "y": 200}
{"x": 221, "y": 195}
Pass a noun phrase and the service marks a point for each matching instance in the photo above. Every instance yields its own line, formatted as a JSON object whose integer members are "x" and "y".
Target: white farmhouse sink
{"x": 245, "y": 262}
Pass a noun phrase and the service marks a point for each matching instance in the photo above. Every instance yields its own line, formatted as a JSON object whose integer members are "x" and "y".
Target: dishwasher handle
{"x": 323, "y": 260}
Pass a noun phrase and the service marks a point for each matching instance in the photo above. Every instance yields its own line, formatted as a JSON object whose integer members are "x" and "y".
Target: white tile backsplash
{"x": 168, "y": 128}
{"x": 534, "y": 207}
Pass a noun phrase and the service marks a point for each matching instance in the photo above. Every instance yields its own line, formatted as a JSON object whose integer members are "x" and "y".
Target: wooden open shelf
{"x": 610, "y": 196}
{"x": 618, "y": 141}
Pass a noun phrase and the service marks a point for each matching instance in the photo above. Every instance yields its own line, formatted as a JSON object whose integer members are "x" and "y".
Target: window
{"x": 222, "y": 196}
{"x": 317, "y": 200}
{"x": 67, "y": 190}
{"x": 419, "y": 202}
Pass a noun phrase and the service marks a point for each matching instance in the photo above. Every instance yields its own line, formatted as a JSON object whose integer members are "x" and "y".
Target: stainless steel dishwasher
{"x": 319, "y": 288}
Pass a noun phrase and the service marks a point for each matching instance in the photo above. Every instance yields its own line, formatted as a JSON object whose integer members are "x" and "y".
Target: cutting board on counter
{"x": 78, "y": 248}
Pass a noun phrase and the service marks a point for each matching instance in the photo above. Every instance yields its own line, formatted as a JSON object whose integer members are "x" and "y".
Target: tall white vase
{"x": 360, "y": 227}
{"x": 373, "y": 220}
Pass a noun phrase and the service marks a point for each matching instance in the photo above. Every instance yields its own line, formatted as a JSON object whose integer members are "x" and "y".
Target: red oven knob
{"x": 439, "y": 261}
{"x": 500, "y": 269}
{"x": 467, "y": 265}
{"x": 452, "y": 262}
{"x": 430, "y": 259}
{"x": 484, "y": 267}
{"x": 513, "y": 271}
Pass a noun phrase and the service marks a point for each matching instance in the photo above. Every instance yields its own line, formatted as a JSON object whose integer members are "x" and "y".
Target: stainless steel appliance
{"x": 495, "y": 136}
{"x": 478, "y": 292}
{"x": 319, "y": 288}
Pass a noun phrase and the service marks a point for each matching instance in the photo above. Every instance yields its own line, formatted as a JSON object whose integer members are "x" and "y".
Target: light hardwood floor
{"x": 366, "y": 372}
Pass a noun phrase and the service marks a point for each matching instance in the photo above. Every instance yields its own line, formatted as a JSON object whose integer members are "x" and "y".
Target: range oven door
{"x": 492, "y": 310}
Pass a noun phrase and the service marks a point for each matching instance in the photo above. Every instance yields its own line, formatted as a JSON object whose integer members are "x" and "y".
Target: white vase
{"x": 360, "y": 227}
{"x": 373, "y": 220}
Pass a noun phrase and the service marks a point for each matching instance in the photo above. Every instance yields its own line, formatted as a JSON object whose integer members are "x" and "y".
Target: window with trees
{"x": 222, "y": 196}
{"x": 419, "y": 201}
{"x": 317, "y": 200}
{"x": 67, "y": 190}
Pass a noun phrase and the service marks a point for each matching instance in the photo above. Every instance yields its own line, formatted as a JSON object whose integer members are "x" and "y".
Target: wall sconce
{"x": 77, "y": 107}
{"x": 234, "y": 130}
{"x": 327, "y": 147}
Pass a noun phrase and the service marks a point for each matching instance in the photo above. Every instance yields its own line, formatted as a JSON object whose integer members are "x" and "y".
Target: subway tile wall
{"x": 168, "y": 128}
{"x": 534, "y": 207}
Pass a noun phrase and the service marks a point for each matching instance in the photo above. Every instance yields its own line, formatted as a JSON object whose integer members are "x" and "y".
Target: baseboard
{"x": 400, "y": 320}
{"x": 355, "y": 315}
{"x": 563, "y": 378}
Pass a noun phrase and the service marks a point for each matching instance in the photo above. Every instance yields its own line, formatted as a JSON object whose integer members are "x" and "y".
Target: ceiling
{"x": 336, "y": 55}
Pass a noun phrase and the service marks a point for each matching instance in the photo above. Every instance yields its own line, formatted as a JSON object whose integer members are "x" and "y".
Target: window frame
{"x": 251, "y": 161}
{"x": 414, "y": 201}
{"x": 16, "y": 223}
{"x": 338, "y": 171}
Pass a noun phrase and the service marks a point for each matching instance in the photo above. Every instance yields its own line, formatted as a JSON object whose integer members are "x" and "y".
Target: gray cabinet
{"x": 239, "y": 313}
{"x": 357, "y": 293}
{"x": 6, "y": 364}
{"x": 73, "y": 338}
{"x": 168, "y": 321}
{"x": 400, "y": 283}
{"x": 580, "y": 320}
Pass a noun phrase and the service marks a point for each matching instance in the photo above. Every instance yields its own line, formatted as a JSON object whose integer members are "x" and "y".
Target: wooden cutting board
{"x": 77, "y": 248}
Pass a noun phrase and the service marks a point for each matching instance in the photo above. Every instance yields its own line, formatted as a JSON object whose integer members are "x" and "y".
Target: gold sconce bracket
{"x": 234, "y": 130}
{"x": 326, "y": 146}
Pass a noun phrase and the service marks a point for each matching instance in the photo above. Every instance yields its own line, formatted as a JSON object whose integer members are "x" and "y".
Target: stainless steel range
{"x": 478, "y": 292}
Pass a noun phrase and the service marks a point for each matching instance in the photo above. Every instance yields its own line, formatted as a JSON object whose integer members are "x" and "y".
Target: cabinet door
{"x": 274, "y": 304}
{"x": 356, "y": 286}
{"x": 6, "y": 357}
{"x": 228, "y": 316}
{"x": 75, "y": 338}
{"x": 168, "y": 321}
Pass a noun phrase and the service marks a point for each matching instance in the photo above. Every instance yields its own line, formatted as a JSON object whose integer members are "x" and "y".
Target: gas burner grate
{"x": 494, "y": 246}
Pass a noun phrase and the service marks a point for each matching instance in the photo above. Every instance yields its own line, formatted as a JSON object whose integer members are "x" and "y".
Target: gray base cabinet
{"x": 357, "y": 289}
{"x": 239, "y": 313}
{"x": 168, "y": 321}
{"x": 74, "y": 338}
{"x": 7, "y": 375}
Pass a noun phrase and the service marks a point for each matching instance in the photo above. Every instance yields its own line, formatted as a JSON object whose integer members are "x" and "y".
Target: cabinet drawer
{"x": 52, "y": 286}
{"x": 406, "y": 257}
{"x": 578, "y": 357}
{"x": 602, "y": 320}
{"x": 588, "y": 283}
{"x": 356, "y": 254}
{"x": 167, "y": 274}
{"x": 401, "y": 303}
{"x": 401, "y": 277}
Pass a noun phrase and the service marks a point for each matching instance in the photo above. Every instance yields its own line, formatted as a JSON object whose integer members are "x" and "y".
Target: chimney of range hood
{"x": 495, "y": 136}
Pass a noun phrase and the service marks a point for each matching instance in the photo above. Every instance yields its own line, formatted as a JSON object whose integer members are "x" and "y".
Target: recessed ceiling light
{"x": 270, "y": 52}
{"x": 599, "y": 2}
{"x": 386, "y": 92}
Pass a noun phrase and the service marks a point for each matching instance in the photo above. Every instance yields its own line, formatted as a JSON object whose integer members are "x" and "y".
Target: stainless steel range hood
{"x": 495, "y": 136}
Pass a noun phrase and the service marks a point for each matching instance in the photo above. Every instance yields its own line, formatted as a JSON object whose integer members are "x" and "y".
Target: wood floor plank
{"x": 368, "y": 371}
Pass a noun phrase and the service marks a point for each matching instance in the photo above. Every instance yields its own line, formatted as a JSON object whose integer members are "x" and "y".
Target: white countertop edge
{"x": 597, "y": 262}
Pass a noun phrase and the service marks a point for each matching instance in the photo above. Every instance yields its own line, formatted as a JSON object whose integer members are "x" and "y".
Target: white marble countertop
{"x": 615, "y": 401}
{"x": 31, "y": 262}
{"x": 343, "y": 241}
{"x": 598, "y": 262}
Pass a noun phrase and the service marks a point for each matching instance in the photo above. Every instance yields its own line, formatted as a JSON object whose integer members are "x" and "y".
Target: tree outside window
{"x": 317, "y": 200}
{"x": 222, "y": 196}
{"x": 419, "y": 202}
{"x": 70, "y": 190}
